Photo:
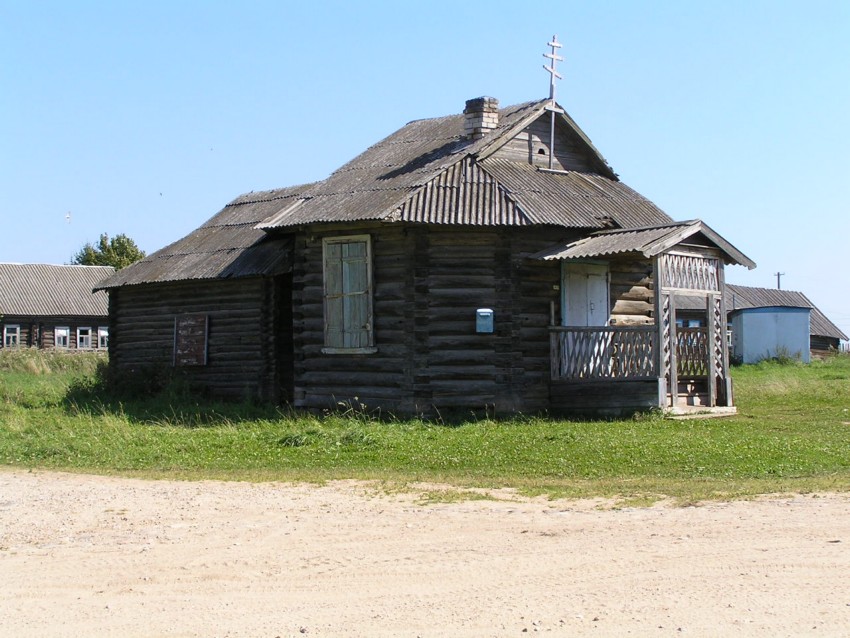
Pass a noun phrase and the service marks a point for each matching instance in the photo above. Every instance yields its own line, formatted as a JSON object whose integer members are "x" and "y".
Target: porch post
{"x": 674, "y": 358}
{"x": 660, "y": 335}
{"x": 724, "y": 327}
{"x": 711, "y": 371}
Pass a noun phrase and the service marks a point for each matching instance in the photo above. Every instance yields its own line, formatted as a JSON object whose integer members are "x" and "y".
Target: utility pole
{"x": 779, "y": 280}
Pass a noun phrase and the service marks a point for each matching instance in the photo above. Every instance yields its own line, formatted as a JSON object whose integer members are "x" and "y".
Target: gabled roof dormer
{"x": 482, "y": 167}
{"x": 531, "y": 143}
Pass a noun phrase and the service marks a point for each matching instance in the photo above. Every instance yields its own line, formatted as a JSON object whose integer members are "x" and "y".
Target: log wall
{"x": 244, "y": 324}
{"x": 531, "y": 146}
{"x": 632, "y": 291}
{"x": 428, "y": 283}
{"x": 379, "y": 380}
{"x": 820, "y": 345}
{"x": 604, "y": 397}
{"x": 39, "y": 332}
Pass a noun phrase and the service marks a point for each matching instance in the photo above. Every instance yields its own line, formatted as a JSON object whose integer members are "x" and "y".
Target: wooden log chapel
{"x": 490, "y": 260}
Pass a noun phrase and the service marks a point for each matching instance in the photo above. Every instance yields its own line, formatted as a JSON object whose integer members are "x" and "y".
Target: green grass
{"x": 792, "y": 433}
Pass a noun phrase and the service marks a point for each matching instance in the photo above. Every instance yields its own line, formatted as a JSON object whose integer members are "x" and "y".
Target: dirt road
{"x": 95, "y": 556}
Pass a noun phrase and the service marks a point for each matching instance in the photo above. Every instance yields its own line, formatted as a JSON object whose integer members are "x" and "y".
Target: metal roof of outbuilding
{"x": 746, "y": 297}
{"x": 743, "y": 297}
{"x": 48, "y": 290}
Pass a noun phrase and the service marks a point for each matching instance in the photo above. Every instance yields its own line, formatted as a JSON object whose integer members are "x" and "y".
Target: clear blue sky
{"x": 145, "y": 118}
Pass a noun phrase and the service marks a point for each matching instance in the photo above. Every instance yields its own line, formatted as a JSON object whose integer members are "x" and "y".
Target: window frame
{"x": 331, "y": 345}
{"x": 66, "y": 330}
{"x": 7, "y": 332}
{"x": 83, "y": 341}
{"x": 103, "y": 337}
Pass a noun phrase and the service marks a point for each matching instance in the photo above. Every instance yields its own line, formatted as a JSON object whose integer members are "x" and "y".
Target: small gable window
{"x": 348, "y": 295}
{"x": 11, "y": 336}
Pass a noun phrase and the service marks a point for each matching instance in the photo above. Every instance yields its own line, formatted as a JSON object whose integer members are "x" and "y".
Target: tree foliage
{"x": 118, "y": 252}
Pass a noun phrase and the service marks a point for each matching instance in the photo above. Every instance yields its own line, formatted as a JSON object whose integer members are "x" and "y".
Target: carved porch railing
{"x": 692, "y": 352}
{"x": 603, "y": 352}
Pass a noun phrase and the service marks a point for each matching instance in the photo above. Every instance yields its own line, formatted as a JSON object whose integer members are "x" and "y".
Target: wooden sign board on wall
{"x": 190, "y": 340}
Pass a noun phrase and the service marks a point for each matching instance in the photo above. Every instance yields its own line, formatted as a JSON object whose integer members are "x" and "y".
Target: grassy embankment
{"x": 792, "y": 433}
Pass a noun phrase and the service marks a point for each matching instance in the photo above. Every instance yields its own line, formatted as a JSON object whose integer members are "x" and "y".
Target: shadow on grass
{"x": 160, "y": 397}
{"x": 164, "y": 396}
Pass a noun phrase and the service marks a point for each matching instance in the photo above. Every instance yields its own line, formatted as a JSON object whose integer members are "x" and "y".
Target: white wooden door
{"x": 585, "y": 295}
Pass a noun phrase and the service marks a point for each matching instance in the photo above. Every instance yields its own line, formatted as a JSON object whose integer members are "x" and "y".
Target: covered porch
{"x": 614, "y": 361}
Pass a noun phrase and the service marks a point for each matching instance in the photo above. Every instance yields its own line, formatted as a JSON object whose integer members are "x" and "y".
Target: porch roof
{"x": 649, "y": 241}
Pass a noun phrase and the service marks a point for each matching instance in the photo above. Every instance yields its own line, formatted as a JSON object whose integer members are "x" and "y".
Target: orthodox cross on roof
{"x": 553, "y": 73}
{"x": 553, "y": 108}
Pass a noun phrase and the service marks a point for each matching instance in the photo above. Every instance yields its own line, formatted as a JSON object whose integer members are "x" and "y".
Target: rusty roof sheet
{"x": 649, "y": 241}
{"x": 47, "y": 290}
{"x": 227, "y": 245}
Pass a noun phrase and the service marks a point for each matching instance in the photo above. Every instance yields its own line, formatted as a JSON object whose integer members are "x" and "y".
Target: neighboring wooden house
{"x": 464, "y": 262}
{"x": 766, "y": 321}
{"x": 46, "y": 306}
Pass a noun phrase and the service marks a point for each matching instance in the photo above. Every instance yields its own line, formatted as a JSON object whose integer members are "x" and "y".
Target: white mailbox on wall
{"x": 484, "y": 320}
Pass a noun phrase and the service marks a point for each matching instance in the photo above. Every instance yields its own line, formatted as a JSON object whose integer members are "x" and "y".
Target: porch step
{"x": 692, "y": 386}
{"x": 699, "y": 412}
{"x": 692, "y": 399}
{"x": 693, "y": 392}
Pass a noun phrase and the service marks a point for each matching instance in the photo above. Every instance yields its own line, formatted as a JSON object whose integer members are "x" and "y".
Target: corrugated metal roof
{"x": 227, "y": 245}
{"x": 739, "y": 297}
{"x": 743, "y": 297}
{"x": 749, "y": 297}
{"x": 649, "y": 241}
{"x": 610, "y": 242}
{"x": 376, "y": 184}
{"x": 463, "y": 194}
{"x": 52, "y": 291}
{"x": 573, "y": 199}
{"x": 427, "y": 172}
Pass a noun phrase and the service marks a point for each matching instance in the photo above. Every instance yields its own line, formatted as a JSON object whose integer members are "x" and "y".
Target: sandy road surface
{"x": 95, "y": 556}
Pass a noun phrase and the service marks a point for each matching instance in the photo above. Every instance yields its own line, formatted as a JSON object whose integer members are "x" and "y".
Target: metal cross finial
{"x": 553, "y": 73}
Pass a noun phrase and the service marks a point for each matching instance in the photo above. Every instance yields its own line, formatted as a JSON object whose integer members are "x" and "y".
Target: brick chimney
{"x": 481, "y": 115}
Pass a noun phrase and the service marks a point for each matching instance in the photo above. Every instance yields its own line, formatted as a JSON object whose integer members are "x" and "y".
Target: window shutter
{"x": 334, "y": 325}
{"x": 348, "y": 295}
{"x": 355, "y": 295}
